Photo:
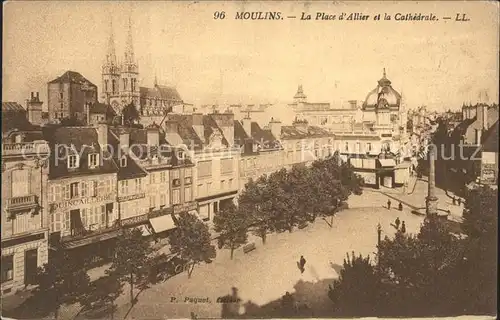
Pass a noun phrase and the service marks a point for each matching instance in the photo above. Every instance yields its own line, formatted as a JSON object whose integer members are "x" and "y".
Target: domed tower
{"x": 299, "y": 97}
{"x": 110, "y": 72}
{"x": 385, "y": 102}
{"x": 129, "y": 73}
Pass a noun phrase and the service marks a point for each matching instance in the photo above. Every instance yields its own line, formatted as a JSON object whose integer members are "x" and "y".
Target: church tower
{"x": 110, "y": 72}
{"x": 129, "y": 86}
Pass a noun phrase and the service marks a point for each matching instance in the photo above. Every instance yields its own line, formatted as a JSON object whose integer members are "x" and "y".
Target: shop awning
{"x": 387, "y": 162}
{"x": 162, "y": 223}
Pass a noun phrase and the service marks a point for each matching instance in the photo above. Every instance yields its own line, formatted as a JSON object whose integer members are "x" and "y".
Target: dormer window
{"x": 93, "y": 160}
{"x": 18, "y": 138}
{"x": 123, "y": 162}
{"x": 73, "y": 162}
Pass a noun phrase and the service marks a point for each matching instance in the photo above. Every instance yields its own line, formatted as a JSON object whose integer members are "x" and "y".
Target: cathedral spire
{"x": 111, "y": 53}
{"x": 129, "y": 48}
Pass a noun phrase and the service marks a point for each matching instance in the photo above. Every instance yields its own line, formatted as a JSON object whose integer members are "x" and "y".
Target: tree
{"x": 191, "y": 239}
{"x": 130, "y": 261}
{"x": 62, "y": 281}
{"x": 355, "y": 292}
{"x": 480, "y": 224}
{"x": 255, "y": 203}
{"x": 130, "y": 114}
{"x": 103, "y": 293}
{"x": 232, "y": 225}
{"x": 284, "y": 205}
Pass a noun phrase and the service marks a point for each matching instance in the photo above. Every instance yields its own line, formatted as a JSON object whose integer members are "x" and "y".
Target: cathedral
{"x": 120, "y": 85}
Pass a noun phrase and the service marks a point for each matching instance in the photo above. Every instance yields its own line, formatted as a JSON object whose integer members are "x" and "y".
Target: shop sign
{"x": 132, "y": 197}
{"x": 135, "y": 220}
{"x": 84, "y": 201}
{"x": 185, "y": 207}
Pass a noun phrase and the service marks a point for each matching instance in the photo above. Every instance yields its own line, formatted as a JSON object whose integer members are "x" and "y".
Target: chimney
{"x": 37, "y": 96}
{"x": 226, "y": 123}
{"x": 124, "y": 138}
{"x": 102, "y": 134}
{"x": 275, "y": 126}
{"x": 153, "y": 135}
{"x": 198, "y": 125}
{"x": 87, "y": 113}
{"x": 247, "y": 124}
{"x": 481, "y": 114}
{"x": 300, "y": 124}
{"x": 34, "y": 110}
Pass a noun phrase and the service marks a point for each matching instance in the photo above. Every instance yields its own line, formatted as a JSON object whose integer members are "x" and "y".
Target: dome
{"x": 383, "y": 96}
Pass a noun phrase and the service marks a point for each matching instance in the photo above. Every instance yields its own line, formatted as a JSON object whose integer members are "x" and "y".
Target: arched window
{"x": 113, "y": 85}
{"x": 106, "y": 85}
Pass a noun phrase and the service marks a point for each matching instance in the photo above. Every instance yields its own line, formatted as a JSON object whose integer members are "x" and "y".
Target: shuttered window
{"x": 20, "y": 183}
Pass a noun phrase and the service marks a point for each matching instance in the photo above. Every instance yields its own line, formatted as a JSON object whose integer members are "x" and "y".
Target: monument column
{"x": 432, "y": 200}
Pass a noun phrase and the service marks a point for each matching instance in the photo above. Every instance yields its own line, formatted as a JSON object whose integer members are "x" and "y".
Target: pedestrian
{"x": 389, "y": 204}
{"x": 302, "y": 264}
{"x": 400, "y": 207}
{"x": 459, "y": 201}
{"x": 454, "y": 201}
{"x": 403, "y": 227}
{"x": 397, "y": 222}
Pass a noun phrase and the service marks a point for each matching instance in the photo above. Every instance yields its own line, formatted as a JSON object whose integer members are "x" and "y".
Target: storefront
{"x": 82, "y": 215}
{"x": 163, "y": 221}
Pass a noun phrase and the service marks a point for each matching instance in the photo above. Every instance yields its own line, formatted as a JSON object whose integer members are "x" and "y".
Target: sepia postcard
{"x": 249, "y": 159}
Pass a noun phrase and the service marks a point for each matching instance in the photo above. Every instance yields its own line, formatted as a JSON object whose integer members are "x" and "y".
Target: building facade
{"x": 24, "y": 210}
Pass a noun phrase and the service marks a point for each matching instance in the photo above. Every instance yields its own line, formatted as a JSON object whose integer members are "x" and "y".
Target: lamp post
{"x": 379, "y": 234}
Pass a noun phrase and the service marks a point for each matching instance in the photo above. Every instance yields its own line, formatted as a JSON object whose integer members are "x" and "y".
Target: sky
{"x": 440, "y": 64}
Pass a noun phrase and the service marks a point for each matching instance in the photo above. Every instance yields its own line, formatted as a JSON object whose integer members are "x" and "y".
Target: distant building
{"x": 120, "y": 83}
{"x": 68, "y": 96}
{"x": 34, "y": 109}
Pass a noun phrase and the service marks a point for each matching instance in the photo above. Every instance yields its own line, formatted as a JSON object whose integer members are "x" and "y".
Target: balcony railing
{"x": 22, "y": 202}
{"x": 9, "y": 149}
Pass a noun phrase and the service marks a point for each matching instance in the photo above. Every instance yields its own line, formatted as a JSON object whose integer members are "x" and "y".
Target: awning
{"x": 387, "y": 162}
{"x": 162, "y": 223}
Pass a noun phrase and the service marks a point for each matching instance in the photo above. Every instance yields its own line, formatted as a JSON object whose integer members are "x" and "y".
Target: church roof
{"x": 160, "y": 92}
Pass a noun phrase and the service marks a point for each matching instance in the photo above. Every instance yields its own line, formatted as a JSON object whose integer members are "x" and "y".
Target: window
{"x": 187, "y": 194}
{"x": 358, "y": 147}
{"x": 200, "y": 190}
{"x": 55, "y": 222}
{"x": 20, "y": 183}
{"x": 7, "y": 268}
{"x": 152, "y": 201}
{"x": 209, "y": 187}
{"x": 94, "y": 188}
{"x": 113, "y": 86}
{"x": 188, "y": 172}
{"x": 204, "y": 169}
{"x": 230, "y": 183}
{"x": 108, "y": 186}
{"x": 123, "y": 187}
{"x": 123, "y": 162}
{"x": 124, "y": 84}
{"x": 93, "y": 160}
{"x": 84, "y": 189}
{"x": 138, "y": 185}
{"x": 223, "y": 184}
{"x": 163, "y": 177}
{"x": 74, "y": 190}
{"x": 152, "y": 179}
{"x": 346, "y": 147}
{"x": 73, "y": 162}
{"x": 163, "y": 199}
{"x": 226, "y": 166}
{"x": 188, "y": 180}
{"x": 60, "y": 95}
{"x": 175, "y": 174}
{"x": 369, "y": 146}
{"x": 66, "y": 221}
{"x": 176, "y": 182}
{"x": 176, "y": 196}
{"x": 106, "y": 85}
